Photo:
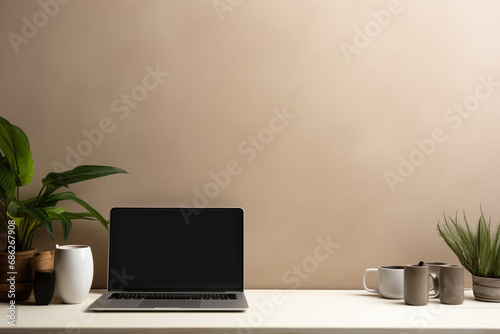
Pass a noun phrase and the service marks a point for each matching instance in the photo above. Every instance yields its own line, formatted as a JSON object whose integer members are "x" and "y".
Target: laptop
{"x": 174, "y": 259}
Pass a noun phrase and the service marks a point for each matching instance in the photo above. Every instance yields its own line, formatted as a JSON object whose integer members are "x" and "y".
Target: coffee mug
{"x": 390, "y": 281}
{"x": 451, "y": 284}
{"x": 434, "y": 269}
{"x": 416, "y": 284}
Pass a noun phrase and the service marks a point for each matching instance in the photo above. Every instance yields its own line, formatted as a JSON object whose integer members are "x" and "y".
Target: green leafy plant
{"x": 16, "y": 171}
{"x": 478, "y": 250}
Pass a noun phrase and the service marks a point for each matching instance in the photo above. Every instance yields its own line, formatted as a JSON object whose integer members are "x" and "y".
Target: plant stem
{"x": 29, "y": 240}
{"x": 38, "y": 197}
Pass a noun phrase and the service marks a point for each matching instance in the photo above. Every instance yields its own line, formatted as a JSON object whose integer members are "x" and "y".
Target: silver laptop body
{"x": 174, "y": 259}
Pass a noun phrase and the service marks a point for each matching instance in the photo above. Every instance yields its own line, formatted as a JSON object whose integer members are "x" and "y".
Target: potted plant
{"x": 20, "y": 218}
{"x": 478, "y": 250}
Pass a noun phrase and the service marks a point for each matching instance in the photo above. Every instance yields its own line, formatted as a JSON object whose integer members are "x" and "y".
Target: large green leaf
{"x": 53, "y": 199}
{"x": 16, "y": 148}
{"x": 58, "y": 214}
{"x": 90, "y": 209}
{"x": 49, "y": 200}
{"x": 65, "y": 218}
{"x": 7, "y": 182}
{"x": 17, "y": 209}
{"x": 79, "y": 215}
{"x": 54, "y": 181}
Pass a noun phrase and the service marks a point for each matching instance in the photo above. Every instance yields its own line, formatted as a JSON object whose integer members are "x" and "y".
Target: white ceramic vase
{"x": 74, "y": 271}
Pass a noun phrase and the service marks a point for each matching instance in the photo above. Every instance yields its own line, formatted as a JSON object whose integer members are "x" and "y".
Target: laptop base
{"x": 104, "y": 303}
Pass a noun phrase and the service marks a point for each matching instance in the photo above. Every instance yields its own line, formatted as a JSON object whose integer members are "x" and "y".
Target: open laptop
{"x": 174, "y": 259}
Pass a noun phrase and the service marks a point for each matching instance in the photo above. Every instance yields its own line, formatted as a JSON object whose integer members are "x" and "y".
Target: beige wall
{"x": 356, "y": 105}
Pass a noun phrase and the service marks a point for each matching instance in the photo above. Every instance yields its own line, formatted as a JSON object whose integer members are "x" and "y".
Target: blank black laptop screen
{"x": 172, "y": 249}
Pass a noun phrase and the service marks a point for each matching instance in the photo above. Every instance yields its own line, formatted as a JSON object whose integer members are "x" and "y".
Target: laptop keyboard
{"x": 173, "y": 296}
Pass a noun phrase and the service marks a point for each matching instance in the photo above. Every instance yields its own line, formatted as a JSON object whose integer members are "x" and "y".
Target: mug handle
{"x": 435, "y": 282}
{"x": 364, "y": 280}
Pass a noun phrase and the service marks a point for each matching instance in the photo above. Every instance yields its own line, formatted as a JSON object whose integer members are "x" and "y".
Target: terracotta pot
{"x": 43, "y": 261}
{"x": 22, "y": 266}
{"x": 22, "y": 292}
{"x": 486, "y": 289}
{"x": 23, "y": 276}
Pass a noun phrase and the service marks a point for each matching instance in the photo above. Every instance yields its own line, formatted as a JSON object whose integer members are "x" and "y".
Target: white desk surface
{"x": 271, "y": 311}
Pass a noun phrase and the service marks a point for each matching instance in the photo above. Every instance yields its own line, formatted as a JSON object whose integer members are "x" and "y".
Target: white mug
{"x": 390, "y": 281}
{"x": 74, "y": 272}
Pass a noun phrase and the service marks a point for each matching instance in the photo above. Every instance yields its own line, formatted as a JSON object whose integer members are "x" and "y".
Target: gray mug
{"x": 416, "y": 284}
{"x": 434, "y": 269}
{"x": 451, "y": 284}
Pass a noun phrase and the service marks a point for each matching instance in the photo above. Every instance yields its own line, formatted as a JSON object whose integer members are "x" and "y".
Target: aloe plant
{"x": 16, "y": 171}
{"x": 478, "y": 250}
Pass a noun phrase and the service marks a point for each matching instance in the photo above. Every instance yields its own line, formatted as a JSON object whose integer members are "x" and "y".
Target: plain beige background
{"x": 367, "y": 88}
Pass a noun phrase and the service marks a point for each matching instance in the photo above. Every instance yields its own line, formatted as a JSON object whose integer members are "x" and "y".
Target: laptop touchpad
{"x": 174, "y": 304}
